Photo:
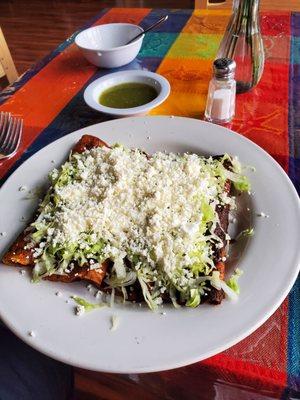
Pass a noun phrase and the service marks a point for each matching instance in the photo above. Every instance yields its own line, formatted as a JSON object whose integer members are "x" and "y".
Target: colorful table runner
{"x": 50, "y": 99}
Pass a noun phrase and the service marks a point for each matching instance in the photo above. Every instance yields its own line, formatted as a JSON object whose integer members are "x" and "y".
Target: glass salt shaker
{"x": 220, "y": 105}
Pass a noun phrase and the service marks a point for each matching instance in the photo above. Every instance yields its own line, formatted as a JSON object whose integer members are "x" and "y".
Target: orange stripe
{"x": 43, "y": 97}
{"x": 131, "y": 16}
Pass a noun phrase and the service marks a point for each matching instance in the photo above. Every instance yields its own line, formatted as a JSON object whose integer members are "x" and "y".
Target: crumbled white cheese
{"x": 137, "y": 340}
{"x": 38, "y": 251}
{"x": 262, "y": 214}
{"x": 89, "y": 287}
{"x": 79, "y": 310}
{"x": 70, "y": 268}
{"x": 147, "y": 207}
{"x": 135, "y": 203}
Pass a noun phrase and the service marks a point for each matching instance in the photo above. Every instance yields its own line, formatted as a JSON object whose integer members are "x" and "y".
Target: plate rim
{"x": 187, "y": 360}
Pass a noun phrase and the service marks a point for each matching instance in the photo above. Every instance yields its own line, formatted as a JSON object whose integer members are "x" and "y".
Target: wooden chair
{"x": 8, "y": 70}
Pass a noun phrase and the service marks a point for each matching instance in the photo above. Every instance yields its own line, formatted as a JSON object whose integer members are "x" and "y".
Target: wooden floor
{"x": 32, "y": 28}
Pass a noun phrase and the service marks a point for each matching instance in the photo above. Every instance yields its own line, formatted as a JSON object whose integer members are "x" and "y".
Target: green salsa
{"x": 128, "y": 95}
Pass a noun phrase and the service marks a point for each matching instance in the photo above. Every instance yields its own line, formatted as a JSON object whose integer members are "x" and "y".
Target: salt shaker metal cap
{"x": 220, "y": 104}
{"x": 224, "y": 68}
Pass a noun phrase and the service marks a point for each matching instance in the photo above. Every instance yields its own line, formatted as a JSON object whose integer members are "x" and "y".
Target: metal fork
{"x": 10, "y": 134}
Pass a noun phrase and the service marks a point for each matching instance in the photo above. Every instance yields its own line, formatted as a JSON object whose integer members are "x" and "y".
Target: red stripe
{"x": 262, "y": 114}
{"x": 247, "y": 373}
{"x": 41, "y": 99}
{"x": 261, "y": 358}
{"x": 275, "y": 23}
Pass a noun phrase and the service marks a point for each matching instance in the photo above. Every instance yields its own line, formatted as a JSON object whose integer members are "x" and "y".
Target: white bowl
{"x": 94, "y": 90}
{"x": 105, "y": 45}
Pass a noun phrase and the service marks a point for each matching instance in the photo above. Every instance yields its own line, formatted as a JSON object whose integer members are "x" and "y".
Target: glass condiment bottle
{"x": 220, "y": 105}
{"x": 243, "y": 43}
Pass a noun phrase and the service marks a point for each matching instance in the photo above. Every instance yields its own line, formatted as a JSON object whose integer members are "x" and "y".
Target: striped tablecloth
{"x": 49, "y": 98}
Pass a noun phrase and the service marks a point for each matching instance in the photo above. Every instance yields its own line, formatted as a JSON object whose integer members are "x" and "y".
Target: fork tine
{"x": 4, "y": 123}
{"x": 16, "y": 136}
{"x": 7, "y": 135}
{"x": 10, "y": 134}
{"x": 3, "y": 115}
{"x": 19, "y": 133}
{"x": 8, "y": 145}
{"x": 4, "y": 131}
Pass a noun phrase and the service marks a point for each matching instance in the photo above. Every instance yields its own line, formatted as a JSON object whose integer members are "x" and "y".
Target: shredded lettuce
{"x": 172, "y": 293}
{"x": 192, "y": 270}
{"x": 59, "y": 257}
{"x": 65, "y": 176}
{"x": 208, "y": 213}
{"x": 216, "y": 280}
{"x": 228, "y": 291}
{"x": 87, "y": 305}
{"x": 246, "y": 232}
{"x": 114, "y": 322}
{"x": 240, "y": 181}
{"x": 194, "y": 300}
{"x": 146, "y": 293}
{"x": 243, "y": 184}
{"x": 233, "y": 280}
{"x": 45, "y": 266}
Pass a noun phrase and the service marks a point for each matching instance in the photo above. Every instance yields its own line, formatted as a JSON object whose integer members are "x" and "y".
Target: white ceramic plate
{"x": 147, "y": 341}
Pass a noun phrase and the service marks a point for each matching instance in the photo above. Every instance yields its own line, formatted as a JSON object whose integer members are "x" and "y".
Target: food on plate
{"x": 148, "y": 228}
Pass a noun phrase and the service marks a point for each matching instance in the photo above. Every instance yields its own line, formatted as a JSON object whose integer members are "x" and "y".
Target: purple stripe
{"x": 294, "y": 103}
{"x": 174, "y": 24}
